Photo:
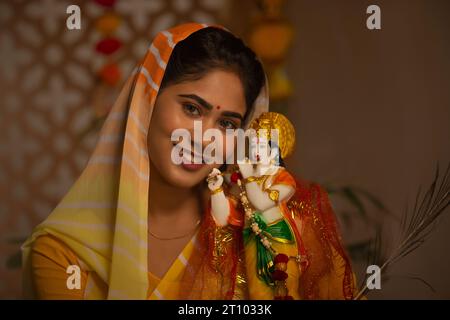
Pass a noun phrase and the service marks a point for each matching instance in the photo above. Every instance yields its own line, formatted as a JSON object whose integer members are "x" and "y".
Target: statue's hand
{"x": 266, "y": 169}
{"x": 215, "y": 179}
{"x": 248, "y": 169}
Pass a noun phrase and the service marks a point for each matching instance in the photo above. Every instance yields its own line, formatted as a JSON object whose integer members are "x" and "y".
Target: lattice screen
{"x": 47, "y": 84}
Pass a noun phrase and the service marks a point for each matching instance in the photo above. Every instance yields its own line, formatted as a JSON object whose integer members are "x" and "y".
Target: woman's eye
{"x": 191, "y": 109}
{"x": 227, "y": 124}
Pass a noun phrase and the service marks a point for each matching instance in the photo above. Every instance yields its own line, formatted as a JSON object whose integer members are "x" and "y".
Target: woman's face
{"x": 217, "y": 100}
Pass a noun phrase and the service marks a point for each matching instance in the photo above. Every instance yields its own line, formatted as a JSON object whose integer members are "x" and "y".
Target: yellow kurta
{"x": 50, "y": 258}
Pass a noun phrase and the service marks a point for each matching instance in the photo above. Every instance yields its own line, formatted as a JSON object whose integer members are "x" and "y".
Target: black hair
{"x": 214, "y": 48}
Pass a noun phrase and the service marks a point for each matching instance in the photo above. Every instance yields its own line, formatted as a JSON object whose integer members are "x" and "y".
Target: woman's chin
{"x": 183, "y": 176}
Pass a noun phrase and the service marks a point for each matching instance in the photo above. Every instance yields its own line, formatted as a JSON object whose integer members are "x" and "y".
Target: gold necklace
{"x": 177, "y": 237}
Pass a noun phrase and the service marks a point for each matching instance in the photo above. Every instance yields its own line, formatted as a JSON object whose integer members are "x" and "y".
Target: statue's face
{"x": 261, "y": 151}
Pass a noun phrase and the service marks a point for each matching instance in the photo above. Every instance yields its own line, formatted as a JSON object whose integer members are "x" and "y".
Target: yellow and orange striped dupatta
{"x": 103, "y": 218}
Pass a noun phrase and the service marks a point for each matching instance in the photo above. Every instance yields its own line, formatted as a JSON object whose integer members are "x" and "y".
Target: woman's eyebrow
{"x": 199, "y": 100}
{"x": 208, "y": 106}
{"x": 233, "y": 115}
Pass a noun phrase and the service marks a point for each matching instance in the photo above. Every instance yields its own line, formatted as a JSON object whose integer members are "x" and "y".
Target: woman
{"x": 137, "y": 225}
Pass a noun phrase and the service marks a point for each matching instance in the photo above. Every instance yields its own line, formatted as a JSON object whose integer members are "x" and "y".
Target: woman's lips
{"x": 189, "y": 165}
{"x": 192, "y": 166}
{"x": 188, "y": 156}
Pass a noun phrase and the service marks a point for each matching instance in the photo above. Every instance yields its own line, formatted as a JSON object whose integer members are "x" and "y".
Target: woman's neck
{"x": 170, "y": 205}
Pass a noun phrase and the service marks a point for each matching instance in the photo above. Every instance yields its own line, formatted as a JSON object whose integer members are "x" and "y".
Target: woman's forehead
{"x": 223, "y": 90}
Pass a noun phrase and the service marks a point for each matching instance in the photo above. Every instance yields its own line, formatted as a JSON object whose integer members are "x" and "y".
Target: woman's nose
{"x": 208, "y": 122}
{"x": 211, "y": 134}
{"x": 204, "y": 133}
{"x": 197, "y": 131}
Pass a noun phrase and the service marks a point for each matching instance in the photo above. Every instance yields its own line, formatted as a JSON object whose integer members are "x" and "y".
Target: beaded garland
{"x": 278, "y": 274}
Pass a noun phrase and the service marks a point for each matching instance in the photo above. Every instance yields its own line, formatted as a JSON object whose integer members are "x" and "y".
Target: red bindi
{"x": 218, "y": 107}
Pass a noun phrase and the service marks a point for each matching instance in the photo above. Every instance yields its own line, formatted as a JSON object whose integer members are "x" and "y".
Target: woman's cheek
{"x": 229, "y": 151}
{"x": 175, "y": 121}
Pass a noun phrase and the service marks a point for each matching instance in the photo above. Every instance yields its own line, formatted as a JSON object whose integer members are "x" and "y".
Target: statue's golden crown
{"x": 286, "y": 131}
